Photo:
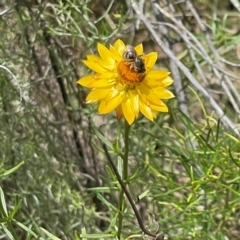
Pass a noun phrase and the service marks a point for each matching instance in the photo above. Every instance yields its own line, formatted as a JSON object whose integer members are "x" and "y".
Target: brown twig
{"x": 141, "y": 225}
{"x": 224, "y": 118}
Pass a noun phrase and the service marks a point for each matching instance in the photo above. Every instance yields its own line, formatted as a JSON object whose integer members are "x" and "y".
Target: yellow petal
{"x": 103, "y": 83}
{"x": 160, "y": 108}
{"x": 98, "y": 94}
{"x": 146, "y": 111}
{"x": 109, "y": 75}
{"x": 102, "y": 109}
{"x": 162, "y": 93}
{"x": 92, "y": 57}
{"x": 108, "y": 106}
{"x": 160, "y": 82}
{"x": 117, "y": 15}
{"x": 128, "y": 110}
{"x": 139, "y": 49}
{"x": 120, "y": 46}
{"x": 112, "y": 93}
{"x": 167, "y": 81}
{"x": 105, "y": 54}
{"x": 157, "y": 74}
{"x": 93, "y": 82}
{"x": 134, "y": 98}
{"x": 150, "y": 60}
{"x": 115, "y": 54}
{"x": 94, "y": 66}
{"x": 103, "y": 63}
{"x": 86, "y": 81}
{"x": 153, "y": 98}
{"x": 91, "y": 101}
{"x": 143, "y": 91}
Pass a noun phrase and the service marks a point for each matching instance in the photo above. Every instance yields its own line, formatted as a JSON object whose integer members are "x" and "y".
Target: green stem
{"x": 124, "y": 178}
{"x": 11, "y": 229}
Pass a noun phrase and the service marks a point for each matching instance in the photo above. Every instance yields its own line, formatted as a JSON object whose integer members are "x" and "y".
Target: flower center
{"x": 131, "y": 71}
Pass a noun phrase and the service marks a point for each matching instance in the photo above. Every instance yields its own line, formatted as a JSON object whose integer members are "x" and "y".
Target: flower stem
{"x": 124, "y": 178}
{"x": 128, "y": 195}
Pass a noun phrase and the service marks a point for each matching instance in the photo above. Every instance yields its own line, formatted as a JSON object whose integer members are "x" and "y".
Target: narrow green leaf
{"x": 17, "y": 205}
{"x": 142, "y": 195}
{"x": 9, "y": 234}
{"x": 96, "y": 236}
{"x": 102, "y": 189}
{"x": 100, "y": 197}
{"x": 12, "y": 170}
{"x": 28, "y": 230}
{"x": 3, "y": 206}
{"x": 102, "y": 137}
{"x": 50, "y": 234}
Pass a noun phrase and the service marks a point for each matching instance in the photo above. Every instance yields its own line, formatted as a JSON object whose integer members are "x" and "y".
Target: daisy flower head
{"x": 125, "y": 81}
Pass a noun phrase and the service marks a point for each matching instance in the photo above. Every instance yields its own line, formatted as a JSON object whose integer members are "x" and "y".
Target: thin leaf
{"x": 12, "y": 170}
{"x": 50, "y": 234}
{"x": 3, "y": 204}
{"x": 28, "y": 230}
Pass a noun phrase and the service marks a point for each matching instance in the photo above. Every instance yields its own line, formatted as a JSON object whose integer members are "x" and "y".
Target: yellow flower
{"x": 125, "y": 81}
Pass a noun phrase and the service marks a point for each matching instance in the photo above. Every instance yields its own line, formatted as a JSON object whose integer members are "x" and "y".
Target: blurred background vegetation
{"x": 186, "y": 162}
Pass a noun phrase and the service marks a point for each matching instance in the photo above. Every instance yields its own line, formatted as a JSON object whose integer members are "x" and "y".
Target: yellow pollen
{"x": 128, "y": 74}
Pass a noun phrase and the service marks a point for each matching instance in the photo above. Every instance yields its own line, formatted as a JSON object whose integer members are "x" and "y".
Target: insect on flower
{"x": 124, "y": 80}
{"x": 136, "y": 62}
